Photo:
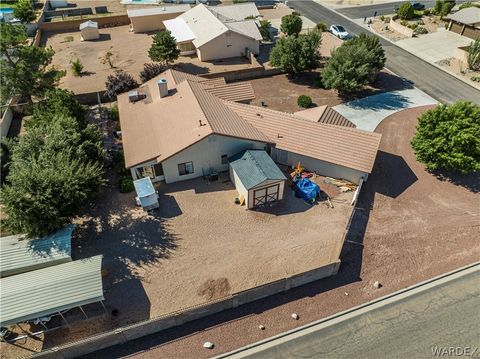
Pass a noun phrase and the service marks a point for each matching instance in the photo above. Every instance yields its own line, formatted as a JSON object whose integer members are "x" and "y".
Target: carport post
{"x": 86, "y": 316}
{"x": 103, "y": 305}
{"x": 63, "y": 317}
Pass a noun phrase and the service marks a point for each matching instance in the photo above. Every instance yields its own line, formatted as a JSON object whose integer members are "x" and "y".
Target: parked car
{"x": 339, "y": 31}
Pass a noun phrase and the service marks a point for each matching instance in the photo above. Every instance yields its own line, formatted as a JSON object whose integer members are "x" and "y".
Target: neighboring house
{"x": 256, "y": 177}
{"x": 215, "y": 33}
{"x": 466, "y": 22}
{"x": 151, "y": 19}
{"x": 184, "y": 129}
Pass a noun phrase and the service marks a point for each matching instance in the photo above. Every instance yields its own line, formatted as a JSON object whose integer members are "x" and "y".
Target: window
{"x": 185, "y": 168}
{"x": 146, "y": 171}
{"x": 224, "y": 159}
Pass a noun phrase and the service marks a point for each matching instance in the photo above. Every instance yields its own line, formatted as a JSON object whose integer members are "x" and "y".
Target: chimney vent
{"x": 162, "y": 88}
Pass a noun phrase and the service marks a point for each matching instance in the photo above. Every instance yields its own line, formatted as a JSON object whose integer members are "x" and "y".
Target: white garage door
{"x": 265, "y": 195}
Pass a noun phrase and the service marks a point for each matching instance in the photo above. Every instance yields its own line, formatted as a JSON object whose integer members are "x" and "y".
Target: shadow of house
{"x": 191, "y": 68}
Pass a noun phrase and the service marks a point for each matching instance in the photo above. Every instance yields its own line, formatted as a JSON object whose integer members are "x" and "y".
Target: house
{"x": 89, "y": 30}
{"x": 151, "y": 19}
{"x": 466, "y": 22}
{"x": 217, "y": 33}
{"x": 182, "y": 129}
{"x": 256, "y": 177}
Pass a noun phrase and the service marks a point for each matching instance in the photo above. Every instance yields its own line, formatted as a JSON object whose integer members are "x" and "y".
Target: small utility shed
{"x": 146, "y": 194}
{"x": 89, "y": 30}
{"x": 256, "y": 177}
{"x": 51, "y": 290}
{"x": 151, "y": 19}
{"x": 19, "y": 254}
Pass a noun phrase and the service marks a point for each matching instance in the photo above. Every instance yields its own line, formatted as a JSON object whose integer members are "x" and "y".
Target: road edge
{"x": 360, "y": 309}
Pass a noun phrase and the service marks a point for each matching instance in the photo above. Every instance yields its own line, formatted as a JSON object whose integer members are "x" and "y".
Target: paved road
{"x": 359, "y": 12}
{"x": 437, "y": 83}
{"x": 441, "y": 316}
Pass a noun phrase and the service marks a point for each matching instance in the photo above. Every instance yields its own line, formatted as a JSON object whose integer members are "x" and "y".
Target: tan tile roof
{"x": 179, "y": 76}
{"x": 343, "y": 146}
{"x": 325, "y": 114}
{"x": 238, "y": 91}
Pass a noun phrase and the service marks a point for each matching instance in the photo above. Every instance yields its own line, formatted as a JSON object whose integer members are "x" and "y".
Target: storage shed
{"x": 146, "y": 194}
{"x": 19, "y": 254}
{"x": 89, "y": 30}
{"x": 151, "y": 19}
{"x": 256, "y": 177}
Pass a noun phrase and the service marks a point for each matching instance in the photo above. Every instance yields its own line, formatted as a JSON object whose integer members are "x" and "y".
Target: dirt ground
{"x": 281, "y": 92}
{"x": 199, "y": 246}
{"x": 130, "y": 53}
{"x": 460, "y": 69}
{"x": 431, "y": 23}
{"x": 278, "y": 12}
{"x": 409, "y": 226}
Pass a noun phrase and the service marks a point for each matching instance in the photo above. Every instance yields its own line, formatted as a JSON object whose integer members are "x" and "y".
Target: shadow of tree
{"x": 470, "y": 181}
{"x": 382, "y": 101}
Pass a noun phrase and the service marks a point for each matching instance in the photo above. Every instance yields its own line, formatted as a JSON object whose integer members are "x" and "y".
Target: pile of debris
{"x": 343, "y": 185}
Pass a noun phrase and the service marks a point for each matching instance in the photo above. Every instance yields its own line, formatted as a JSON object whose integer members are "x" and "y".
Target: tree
{"x": 296, "y": 54}
{"x": 354, "y": 64}
{"x": 26, "y": 69}
{"x": 406, "y": 11}
{"x": 119, "y": 82}
{"x": 164, "y": 48}
{"x": 52, "y": 175}
{"x": 77, "y": 67}
{"x": 291, "y": 25}
{"x": 437, "y": 8}
{"x": 473, "y": 55}
{"x": 264, "y": 29}
{"x": 447, "y": 7}
{"x": 321, "y": 26}
{"x": 448, "y": 138}
{"x": 150, "y": 71}
{"x": 24, "y": 11}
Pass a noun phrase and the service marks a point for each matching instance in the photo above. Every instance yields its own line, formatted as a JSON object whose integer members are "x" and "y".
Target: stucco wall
{"x": 395, "y": 26}
{"x": 227, "y": 45}
{"x": 151, "y": 22}
{"x": 206, "y": 154}
{"x": 69, "y": 25}
{"x": 239, "y": 185}
{"x": 321, "y": 167}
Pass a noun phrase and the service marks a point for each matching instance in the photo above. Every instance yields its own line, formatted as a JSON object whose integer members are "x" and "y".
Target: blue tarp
{"x": 307, "y": 189}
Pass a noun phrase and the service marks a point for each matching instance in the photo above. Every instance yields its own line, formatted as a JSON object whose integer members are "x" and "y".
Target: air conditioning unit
{"x": 134, "y": 96}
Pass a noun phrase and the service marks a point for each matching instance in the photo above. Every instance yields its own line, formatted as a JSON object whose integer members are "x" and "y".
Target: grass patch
{"x": 68, "y": 39}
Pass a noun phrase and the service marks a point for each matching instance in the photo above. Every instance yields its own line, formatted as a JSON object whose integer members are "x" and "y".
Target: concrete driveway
{"x": 366, "y": 113}
{"x": 435, "y": 46}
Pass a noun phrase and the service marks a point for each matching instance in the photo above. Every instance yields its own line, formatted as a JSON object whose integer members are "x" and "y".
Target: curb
{"x": 357, "y": 310}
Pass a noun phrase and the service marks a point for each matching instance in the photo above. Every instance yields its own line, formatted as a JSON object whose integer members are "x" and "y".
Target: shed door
{"x": 265, "y": 195}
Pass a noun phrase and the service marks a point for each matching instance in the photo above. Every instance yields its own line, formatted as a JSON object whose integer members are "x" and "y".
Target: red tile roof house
{"x": 186, "y": 126}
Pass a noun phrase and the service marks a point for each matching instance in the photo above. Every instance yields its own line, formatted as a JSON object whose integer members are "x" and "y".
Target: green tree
{"x": 296, "y": 54}
{"x": 119, "y": 82}
{"x": 447, "y": 6}
{"x": 291, "y": 24}
{"x": 164, "y": 48}
{"x": 24, "y": 11}
{"x": 473, "y": 55}
{"x": 354, "y": 64}
{"x": 406, "y": 11}
{"x": 448, "y": 138}
{"x": 52, "y": 175}
{"x": 264, "y": 29}
{"x": 26, "y": 69}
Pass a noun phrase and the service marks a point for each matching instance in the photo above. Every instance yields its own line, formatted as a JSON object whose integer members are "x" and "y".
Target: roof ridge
{"x": 260, "y": 168}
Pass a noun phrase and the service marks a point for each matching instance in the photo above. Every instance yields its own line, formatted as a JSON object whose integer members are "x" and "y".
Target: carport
{"x": 257, "y": 178}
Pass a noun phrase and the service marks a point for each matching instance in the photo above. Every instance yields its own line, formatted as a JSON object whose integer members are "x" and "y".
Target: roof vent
{"x": 134, "y": 96}
{"x": 162, "y": 88}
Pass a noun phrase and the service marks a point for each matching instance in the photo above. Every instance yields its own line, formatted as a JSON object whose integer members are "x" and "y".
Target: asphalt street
{"x": 359, "y": 12}
{"x": 435, "y": 82}
{"x": 424, "y": 324}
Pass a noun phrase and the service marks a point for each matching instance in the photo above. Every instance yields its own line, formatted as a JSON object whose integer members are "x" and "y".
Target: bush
{"x": 437, "y": 8}
{"x": 304, "y": 101}
{"x": 291, "y": 25}
{"x": 475, "y": 78}
{"x": 126, "y": 184}
{"x": 24, "y": 11}
{"x": 119, "y": 82}
{"x": 412, "y": 26}
{"x": 473, "y": 55}
{"x": 150, "y": 71}
{"x": 76, "y": 67}
{"x": 427, "y": 12}
{"x": 265, "y": 29}
{"x": 113, "y": 113}
{"x": 468, "y": 4}
{"x": 406, "y": 11}
{"x": 382, "y": 18}
{"x": 387, "y": 20}
{"x": 420, "y": 30}
{"x": 164, "y": 48}
{"x": 321, "y": 26}
{"x": 447, "y": 7}
{"x": 404, "y": 23}
{"x": 447, "y": 138}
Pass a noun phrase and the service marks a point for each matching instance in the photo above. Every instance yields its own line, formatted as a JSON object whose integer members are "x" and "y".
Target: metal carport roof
{"x": 19, "y": 254}
{"x": 50, "y": 290}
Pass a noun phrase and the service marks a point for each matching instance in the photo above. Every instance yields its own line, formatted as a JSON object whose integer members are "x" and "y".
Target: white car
{"x": 340, "y": 32}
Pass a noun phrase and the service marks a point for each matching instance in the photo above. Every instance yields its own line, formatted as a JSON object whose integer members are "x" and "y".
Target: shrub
{"x": 387, "y": 19}
{"x": 404, "y": 23}
{"x": 437, "y": 8}
{"x": 473, "y": 55}
{"x": 427, "y": 12}
{"x": 420, "y": 30}
{"x": 76, "y": 67}
{"x": 382, "y": 18}
{"x": 119, "y": 82}
{"x": 291, "y": 24}
{"x": 412, "y": 26}
{"x": 304, "y": 101}
{"x": 447, "y": 7}
{"x": 150, "y": 71}
{"x": 113, "y": 113}
{"x": 468, "y": 4}
{"x": 475, "y": 78}
{"x": 321, "y": 26}
{"x": 24, "y": 11}
{"x": 406, "y": 11}
{"x": 126, "y": 184}
{"x": 447, "y": 138}
{"x": 265, "y": 29}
